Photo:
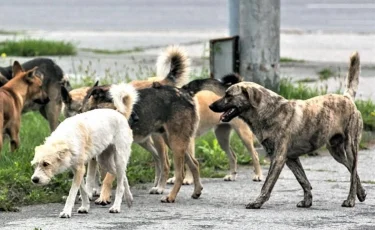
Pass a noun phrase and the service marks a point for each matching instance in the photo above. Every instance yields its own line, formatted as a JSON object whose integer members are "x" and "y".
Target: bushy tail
{"x": 174, "y": 66}
{"x": 124, "y": 97}
{"x": 352, "y": 79}
{"x": 231, "y": 79}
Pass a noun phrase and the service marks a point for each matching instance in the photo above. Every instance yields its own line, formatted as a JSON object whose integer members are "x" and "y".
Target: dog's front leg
{"x": 277, "y": 164}
{"x": 296, "y": 167}
{"x": 79, "y": 172}
{"x": 90, "y": 177}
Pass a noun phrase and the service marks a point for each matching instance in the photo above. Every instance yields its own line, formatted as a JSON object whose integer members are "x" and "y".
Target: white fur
{"x": 77, "y": 140}
{"x": 119, "y": 92}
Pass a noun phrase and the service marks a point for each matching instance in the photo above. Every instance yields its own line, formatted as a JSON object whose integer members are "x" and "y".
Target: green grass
{"x": 112, "y": 52}
{"x": 289, "y": 60}
{"x": 325, "y": 74}
{"x": 37, "y": 47}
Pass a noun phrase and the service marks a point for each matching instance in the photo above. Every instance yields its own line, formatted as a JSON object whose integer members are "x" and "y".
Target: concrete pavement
{"x": 222, "y": 204}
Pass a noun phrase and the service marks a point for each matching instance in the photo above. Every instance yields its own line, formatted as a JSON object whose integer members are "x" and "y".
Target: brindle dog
{"x": 288, "y": 129}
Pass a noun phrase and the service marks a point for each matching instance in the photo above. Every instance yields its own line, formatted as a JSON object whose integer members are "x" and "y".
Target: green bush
{"x": 37, "y": 47}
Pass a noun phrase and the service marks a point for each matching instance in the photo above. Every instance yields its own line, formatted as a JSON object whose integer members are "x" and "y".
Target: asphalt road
{"x": 222, "y": 205}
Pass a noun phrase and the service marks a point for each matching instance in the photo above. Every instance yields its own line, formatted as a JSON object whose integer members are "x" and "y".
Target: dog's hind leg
{"x": 162, "y": 151}
{"x": 296, "y": 167}
{"x": 14, "y": 136}
{"x": 222, "y": 133}
{"x": 149, "y": 146}
{"x": 121, "y": 162}
{"x": 247, "y": 138}
{"x": 278, "y": 161}
{"x": 79, "y": 172}
{"x": 194, "y": 167}
{"x": 51, "y": 111}
{"x": 346, "y": 153}
{"x": 179, "y": 149}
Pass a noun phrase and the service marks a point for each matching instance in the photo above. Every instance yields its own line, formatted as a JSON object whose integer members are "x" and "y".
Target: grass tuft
{"x": 112, "y": 52}
{"x": 37, "y": 47}
{"x": 325, "y": 74}
{"x": 289, "y": 60}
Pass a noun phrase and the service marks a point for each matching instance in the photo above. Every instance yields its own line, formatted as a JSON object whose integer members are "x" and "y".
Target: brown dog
{"x": 288, "y": 129}
{"x": 23, "y": 87}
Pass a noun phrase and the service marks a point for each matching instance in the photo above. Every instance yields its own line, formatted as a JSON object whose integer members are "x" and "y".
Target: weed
{"x": 36, "y": 47}
{"x": 325, "y": 73}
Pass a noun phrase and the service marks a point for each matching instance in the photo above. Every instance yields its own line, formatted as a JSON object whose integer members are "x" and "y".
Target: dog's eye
{"x": 45, "y": 164}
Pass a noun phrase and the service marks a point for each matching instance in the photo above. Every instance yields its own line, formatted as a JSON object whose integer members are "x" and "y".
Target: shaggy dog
{"x": 103, "y": 134}
{"x": 288, "y": 129}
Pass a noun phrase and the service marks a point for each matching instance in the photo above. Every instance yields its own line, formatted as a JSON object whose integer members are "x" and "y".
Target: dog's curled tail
{"x": 174, "y": 66}
{"x": 231, "y": 79}
{"x": 124, "y": 97}
{"x": 352, "y": 79}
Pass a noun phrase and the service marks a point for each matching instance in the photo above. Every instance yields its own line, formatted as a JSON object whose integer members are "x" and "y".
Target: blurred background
{"x": 123, "y": 37}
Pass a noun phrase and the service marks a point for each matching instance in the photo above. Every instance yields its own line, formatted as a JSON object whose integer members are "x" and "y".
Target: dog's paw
{"x": 103, "y": 202}
{"x": 129, "y": 200}
{"x": 253, "y": 205}
{"x": 188, "y": 181}
{"x": 114, "y": 209}
{"x": 171, "y": 180}
{"x": 362, "y": 195}
{"x": 304, "y": 204}
{"x": 65, "y": 214}
{"x": 167, "y": 199}
{"x": 156, "y": 190}
{"x": 230, "y": 177}
{"x": 348, "y": 203}
{"x": 257, "y": 178}
{"x": 83, "y": 210}
{"x": 196, "y": 195}
{"x": 96, "y": 192}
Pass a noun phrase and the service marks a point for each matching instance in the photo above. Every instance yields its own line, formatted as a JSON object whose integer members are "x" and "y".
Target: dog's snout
{"x": 35, "y": 180}
{"x": 214, "y": 108}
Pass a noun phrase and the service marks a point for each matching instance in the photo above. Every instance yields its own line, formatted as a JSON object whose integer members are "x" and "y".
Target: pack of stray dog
{"x": 167, "y": 112}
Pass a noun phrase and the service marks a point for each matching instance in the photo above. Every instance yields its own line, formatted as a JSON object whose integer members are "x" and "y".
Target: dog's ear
{"x": 65, "y": 95}
{"x": 31, "y": 74}
{"x": 39, "y": 72}
{"x": 17, "y": 68}
{"x": 96, "y": 83}
{"x": 254, "y": 95}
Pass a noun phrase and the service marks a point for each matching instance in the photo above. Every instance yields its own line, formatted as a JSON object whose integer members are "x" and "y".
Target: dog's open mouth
{"x": 229, "y": 115}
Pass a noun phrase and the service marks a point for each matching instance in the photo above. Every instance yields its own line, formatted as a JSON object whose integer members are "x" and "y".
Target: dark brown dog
{"x": 23, "y": 87}
{"x": 288, "y": 129}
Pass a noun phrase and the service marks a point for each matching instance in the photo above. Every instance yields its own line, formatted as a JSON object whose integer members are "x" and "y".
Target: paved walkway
{"x": 222, "y": 204}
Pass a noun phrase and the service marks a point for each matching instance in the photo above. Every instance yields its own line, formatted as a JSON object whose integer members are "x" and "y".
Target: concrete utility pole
{"x": 234, "y": 17}
{"x": 260, "y": 42}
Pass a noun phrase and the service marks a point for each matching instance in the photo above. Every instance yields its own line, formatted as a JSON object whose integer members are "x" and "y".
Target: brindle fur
{"x": 290, "y": 128}
{"x": 207, "y": 91}
{"x": 52, "y": 81}
{"x": 23, "y": 87}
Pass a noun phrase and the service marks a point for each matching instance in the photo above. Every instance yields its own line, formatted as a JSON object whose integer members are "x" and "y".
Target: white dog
{"x": 103, "y": 134}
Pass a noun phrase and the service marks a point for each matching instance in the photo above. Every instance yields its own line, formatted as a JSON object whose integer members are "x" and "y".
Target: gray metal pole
{"x": 234, "y": 17}
{"x": 260, "y": 42}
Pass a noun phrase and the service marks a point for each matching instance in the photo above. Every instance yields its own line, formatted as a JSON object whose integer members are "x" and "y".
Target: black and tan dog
{"x": 288, "y": 129}
{"x": 24, "y": 86}
{"x": 163, "y": 111}
{"x": 206, "y": 92}
{"x": 172, "y": 69}
{"x": 52, "y": 81}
